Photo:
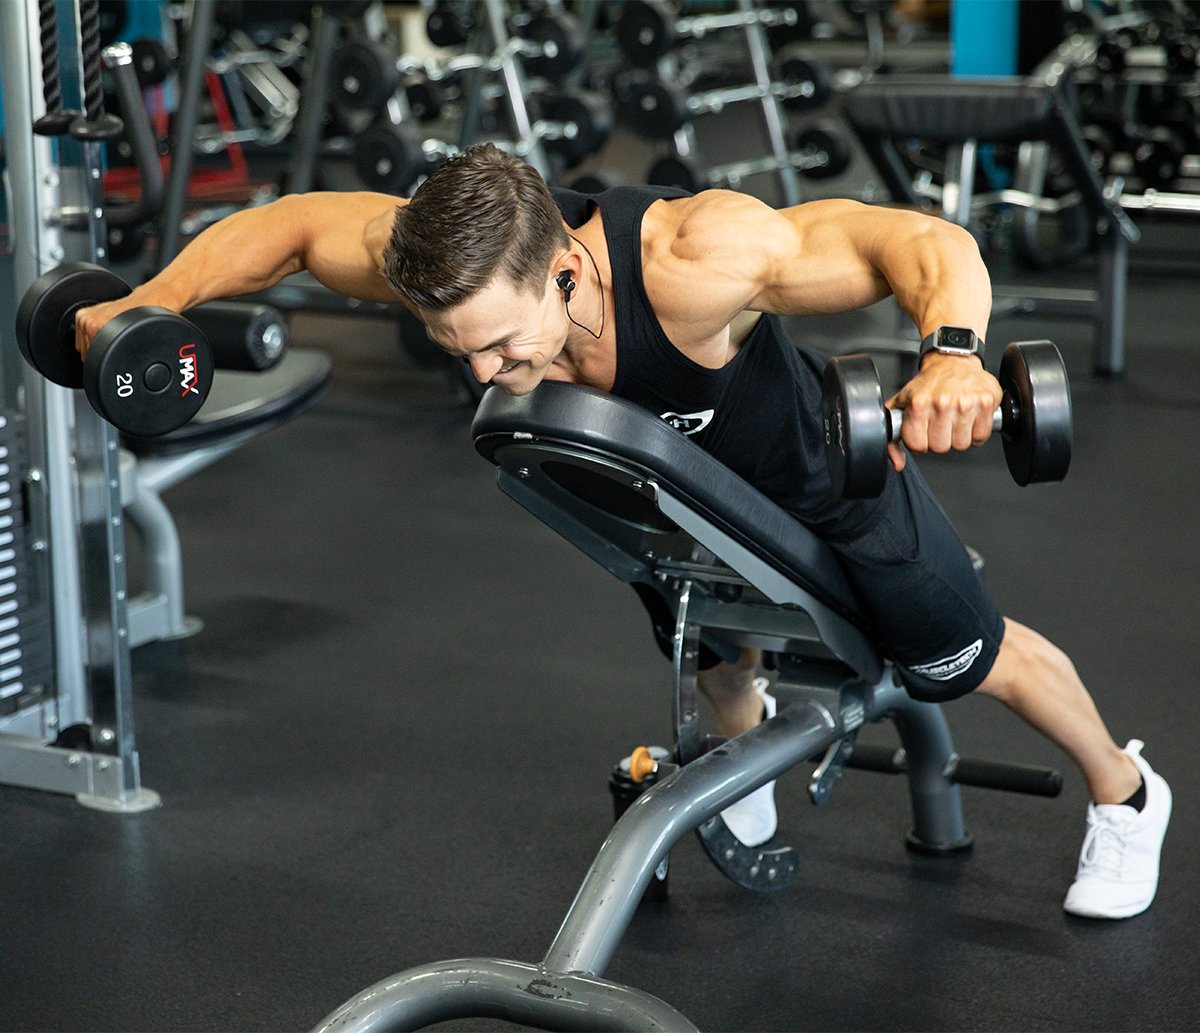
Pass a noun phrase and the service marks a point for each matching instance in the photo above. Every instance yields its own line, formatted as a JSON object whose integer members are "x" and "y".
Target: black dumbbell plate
{"x": 1037, "y": 435}
{"x": 856, "y": 427}
{"x": 46, "y": 317}
{"x": 151, "y": 372}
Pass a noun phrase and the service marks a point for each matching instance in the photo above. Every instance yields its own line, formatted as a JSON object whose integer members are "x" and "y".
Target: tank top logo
{"x": 689, "y": 423}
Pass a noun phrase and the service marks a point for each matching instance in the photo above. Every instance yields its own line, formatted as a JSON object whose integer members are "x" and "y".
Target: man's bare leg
{"x": 738, "y": 707}
{"x": 1118, "y": 870}
{"x": 730, "y": 690}
{"x": 1038, "y": 682}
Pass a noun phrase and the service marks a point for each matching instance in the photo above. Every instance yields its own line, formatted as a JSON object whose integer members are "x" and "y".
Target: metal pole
{"x": 306, "y": 146}
{"x": 756, "y": 41}
{"x": 199, "y": 37}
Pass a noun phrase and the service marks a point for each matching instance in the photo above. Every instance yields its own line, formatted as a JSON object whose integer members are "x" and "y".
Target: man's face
{"x": 509, "y": 336}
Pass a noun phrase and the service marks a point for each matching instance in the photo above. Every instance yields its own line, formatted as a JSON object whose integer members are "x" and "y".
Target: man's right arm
{"x": 338, "y": 237}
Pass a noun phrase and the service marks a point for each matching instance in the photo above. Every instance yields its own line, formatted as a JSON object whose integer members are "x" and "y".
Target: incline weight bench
{"x": 734, "y": 570}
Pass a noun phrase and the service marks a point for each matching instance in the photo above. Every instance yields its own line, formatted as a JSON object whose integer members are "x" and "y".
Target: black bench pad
{"x": 951, "y": 110}
{"x": 574, "y": 415}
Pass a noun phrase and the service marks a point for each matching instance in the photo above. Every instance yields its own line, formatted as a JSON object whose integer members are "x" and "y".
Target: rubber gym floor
{"x": 391, "y": 741}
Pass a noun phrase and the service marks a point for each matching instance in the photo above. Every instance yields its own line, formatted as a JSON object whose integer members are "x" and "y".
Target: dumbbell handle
{"x": 700, "y": 24}
{"x": 895, "y": 418}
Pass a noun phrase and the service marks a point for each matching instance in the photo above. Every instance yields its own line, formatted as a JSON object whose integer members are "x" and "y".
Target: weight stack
{"x": 26, "y": 635}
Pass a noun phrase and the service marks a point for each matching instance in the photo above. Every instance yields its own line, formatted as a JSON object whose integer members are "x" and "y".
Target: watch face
{"x": 956, "y": 337}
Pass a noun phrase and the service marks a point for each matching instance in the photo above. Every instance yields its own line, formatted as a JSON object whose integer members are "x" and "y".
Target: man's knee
{"x": 1025, "y": 659}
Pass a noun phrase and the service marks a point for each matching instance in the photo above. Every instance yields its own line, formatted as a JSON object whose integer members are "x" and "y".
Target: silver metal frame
{"x": 74, "y": 479}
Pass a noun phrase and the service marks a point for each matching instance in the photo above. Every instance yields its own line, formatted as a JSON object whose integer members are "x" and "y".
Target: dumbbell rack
{"x": 1079, "y": 57}
{"x": 752, "y": 21}
{"x": 71, "y": 484}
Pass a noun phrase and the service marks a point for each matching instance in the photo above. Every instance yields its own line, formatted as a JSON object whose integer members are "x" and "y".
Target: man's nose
{"x": 484, "y": 367}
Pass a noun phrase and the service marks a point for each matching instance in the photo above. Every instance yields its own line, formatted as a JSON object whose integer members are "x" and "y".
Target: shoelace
{"x": 1104, "y": 847}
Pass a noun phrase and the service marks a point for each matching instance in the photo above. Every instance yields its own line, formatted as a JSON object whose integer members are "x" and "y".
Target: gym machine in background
{"x": 67, "y": 619}
{"x": 72, "y": 727}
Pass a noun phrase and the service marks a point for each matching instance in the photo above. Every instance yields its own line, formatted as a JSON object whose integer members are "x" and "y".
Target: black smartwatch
{"x": 952, "y": 340}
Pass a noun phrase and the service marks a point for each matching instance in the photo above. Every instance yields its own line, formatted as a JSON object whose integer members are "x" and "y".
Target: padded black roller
{"x": 243, "y": 335}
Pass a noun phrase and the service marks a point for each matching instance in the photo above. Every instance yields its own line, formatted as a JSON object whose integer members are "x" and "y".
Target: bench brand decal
{"x": 691, "y": 422}
{"x": 951, "y": 666}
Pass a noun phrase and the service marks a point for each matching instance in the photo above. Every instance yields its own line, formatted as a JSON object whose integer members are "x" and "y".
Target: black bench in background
{"x": 963, "y": 112}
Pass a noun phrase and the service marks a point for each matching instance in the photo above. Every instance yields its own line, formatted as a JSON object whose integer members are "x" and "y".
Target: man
{"x": 672, "y": 301}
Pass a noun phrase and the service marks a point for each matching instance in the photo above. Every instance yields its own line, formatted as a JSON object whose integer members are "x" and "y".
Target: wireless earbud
{"x": 565, "y": 283}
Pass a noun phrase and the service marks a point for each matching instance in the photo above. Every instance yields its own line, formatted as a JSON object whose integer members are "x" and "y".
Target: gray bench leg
{"x": 158, "y": 613}
{"x": 1109, "y": 356}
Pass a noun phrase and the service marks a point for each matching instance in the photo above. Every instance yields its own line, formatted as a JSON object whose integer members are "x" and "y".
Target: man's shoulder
{"x": 699, "y": 225}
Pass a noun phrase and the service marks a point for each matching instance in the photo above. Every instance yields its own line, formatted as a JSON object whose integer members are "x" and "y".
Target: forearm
{"x": 937, "y": 276}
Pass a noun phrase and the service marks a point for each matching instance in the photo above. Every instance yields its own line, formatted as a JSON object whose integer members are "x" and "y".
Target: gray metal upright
{"x": 73, "y": 481}
{"x": 773, "y": 117}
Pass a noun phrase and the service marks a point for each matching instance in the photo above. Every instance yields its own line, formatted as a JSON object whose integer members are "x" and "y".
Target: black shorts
{"x": 931, "y": 610}
{"x": 932, "y": 614}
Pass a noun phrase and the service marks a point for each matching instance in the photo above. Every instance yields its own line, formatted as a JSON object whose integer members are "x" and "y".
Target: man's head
{"x": 476, "y": 251}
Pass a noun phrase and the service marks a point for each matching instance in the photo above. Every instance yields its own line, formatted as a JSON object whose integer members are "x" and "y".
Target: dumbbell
{"x": 1113, "y": 49}
{"x": 390, "y": 158}
{"x": 148, "y": 370}
{"x": 363, "y": 74}
{"x": 151, "y": 61}
{"x": 819, "y": 153}
{"x": 589, "y": 111}
{"x": 648, "y": 29}
{"x": 449, "y": 23}
{"x": 1034, "y": 419}
{"x": 657, "y": 109}
{"x": 558, "y": 37}
{"x": 1159, "y": 147}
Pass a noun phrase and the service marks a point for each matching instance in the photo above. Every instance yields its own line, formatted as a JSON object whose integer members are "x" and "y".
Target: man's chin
{"x": 518, "y": 390}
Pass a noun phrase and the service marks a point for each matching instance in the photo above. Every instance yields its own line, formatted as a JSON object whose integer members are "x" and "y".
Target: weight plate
{"x": 150, "y": 372}
{"x": 363, "y": 74}
{"x": 802, "y": 71}
{"x": 646, "y": 31}
{"x": 426, "y": 99}
{"x": 829, "y": 151}
{"x": 448, "y": 25}
{"x": 388, "y": 158}
{"x": 856, "y": 427}
{"x": 676, "y": 172}
{"x": 1037, "y": 422}
{"x": 151, "y": 62}
{"x": 650, "y": 106}
{"x": 592, "y": 115}
{"x": 561, "y": 37}
{"x": 1157, "y": 158}
{"x": 46, "y": 317}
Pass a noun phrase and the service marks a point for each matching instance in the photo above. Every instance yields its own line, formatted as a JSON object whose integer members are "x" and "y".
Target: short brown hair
{"x": 482, "y": 212}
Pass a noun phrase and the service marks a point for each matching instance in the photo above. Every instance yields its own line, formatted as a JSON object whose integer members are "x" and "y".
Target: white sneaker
{"x": 753, "y": 819}
{"x": 1118, "y": 866}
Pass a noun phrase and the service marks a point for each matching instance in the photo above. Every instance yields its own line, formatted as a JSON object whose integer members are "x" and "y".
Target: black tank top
{"x": 760, "y": 414}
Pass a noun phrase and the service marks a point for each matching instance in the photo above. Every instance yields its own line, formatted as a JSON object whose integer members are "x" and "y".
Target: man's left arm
{"x": 828, "y": 256}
